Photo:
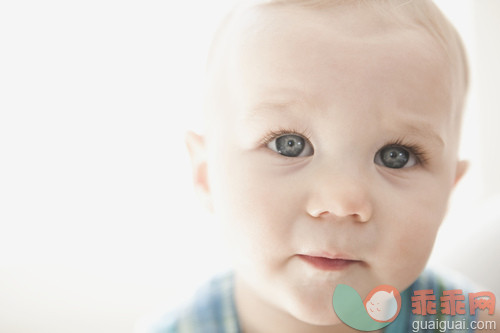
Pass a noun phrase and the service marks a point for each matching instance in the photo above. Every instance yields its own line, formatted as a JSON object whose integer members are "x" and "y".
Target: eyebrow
{"x": 282, "y": 103}
{"x": 275, "y": 106}
{"x": 422, "y": 129}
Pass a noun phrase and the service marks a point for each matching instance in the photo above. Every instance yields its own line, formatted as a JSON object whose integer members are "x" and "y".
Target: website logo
{"x": 379, "y": 309}
{"x": 383, "y": 304}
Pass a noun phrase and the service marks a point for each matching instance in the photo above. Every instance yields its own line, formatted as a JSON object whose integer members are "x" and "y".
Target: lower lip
{"x": 328, "y": 264}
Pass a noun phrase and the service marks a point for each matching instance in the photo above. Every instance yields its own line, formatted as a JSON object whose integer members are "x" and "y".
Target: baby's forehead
{"x": 352, "y": 19}
{"x": 256, "y": 16}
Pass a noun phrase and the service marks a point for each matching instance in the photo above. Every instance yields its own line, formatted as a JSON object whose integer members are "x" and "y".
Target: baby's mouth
{"x": 328, "y": 263}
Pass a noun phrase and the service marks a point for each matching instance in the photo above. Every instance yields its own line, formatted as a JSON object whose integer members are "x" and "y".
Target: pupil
{"x": 395, "y": 157}
{"x": 290, "y": 145}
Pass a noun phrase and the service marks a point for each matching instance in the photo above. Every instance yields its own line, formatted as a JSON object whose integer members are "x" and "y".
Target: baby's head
{"x": 330, "y": 149}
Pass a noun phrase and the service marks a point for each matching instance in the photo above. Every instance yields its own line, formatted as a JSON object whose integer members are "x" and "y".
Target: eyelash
{"x": 270, "y": 136}
{"x": 414, "y": 148}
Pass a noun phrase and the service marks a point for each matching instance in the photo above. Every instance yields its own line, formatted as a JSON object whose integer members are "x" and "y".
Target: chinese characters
{"x": 452, "y": 302}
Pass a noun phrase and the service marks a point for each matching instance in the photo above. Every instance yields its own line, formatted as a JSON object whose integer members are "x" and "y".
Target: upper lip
{"x": 330, "y": 255}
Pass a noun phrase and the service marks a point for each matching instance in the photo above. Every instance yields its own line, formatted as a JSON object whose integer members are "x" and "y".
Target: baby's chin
{"x": 316, "y": 316}
{"x": 313, "y": 309}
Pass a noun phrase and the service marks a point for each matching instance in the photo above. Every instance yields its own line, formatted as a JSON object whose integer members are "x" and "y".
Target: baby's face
{"x": 333, "y": 157}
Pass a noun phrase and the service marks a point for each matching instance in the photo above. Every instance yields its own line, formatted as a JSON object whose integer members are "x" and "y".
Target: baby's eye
{"x": 395, "y": 157}
{"x": 291, "y": 145}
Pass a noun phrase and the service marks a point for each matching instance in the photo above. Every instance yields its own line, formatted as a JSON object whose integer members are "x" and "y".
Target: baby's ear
{"x": 462, "y": 167}
{"x": 197, "y": 151}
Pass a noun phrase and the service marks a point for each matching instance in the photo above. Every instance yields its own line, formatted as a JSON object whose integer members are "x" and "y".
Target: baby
{"x": 328, "y": 156}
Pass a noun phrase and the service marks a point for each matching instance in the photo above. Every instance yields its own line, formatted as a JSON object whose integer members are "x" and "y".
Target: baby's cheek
{"x": 410, "y": 236}
{"x": 255, "y": 210}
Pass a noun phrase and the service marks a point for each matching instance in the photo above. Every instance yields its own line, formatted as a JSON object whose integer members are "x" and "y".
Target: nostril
{"x": 347, "y": 201}
{"x": 360, "y": 218}
{"x": 326, "y": 214}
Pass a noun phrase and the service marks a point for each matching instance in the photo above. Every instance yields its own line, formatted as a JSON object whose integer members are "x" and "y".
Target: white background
{"x": 98, "y": 221}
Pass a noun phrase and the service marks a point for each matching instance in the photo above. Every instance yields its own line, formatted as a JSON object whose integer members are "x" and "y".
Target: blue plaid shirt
{"x": 213, "y": 309}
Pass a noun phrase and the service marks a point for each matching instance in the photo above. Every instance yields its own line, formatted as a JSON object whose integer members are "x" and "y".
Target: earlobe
{"x": 197, "y": 151}
{"x": 462, "y": 167}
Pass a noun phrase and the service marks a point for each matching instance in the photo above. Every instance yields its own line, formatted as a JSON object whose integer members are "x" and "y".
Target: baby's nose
{"x": 340, "y": 195}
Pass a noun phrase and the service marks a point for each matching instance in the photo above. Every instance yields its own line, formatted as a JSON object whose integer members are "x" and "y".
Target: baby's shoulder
{"x": 446, "y": 284}
{"x": 439, "y": 299}
{"x": 440, "y": 280}
{"x": 212, "y": 309}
